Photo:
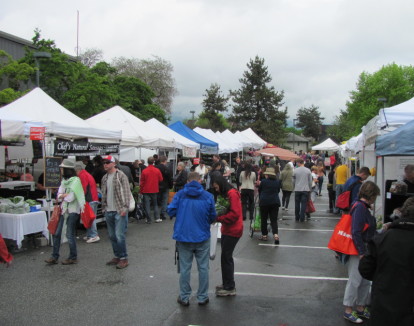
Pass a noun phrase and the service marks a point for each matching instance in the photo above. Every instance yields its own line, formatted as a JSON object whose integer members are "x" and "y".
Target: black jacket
{"x": 390, "y": 265}
{"x": 167, "y": 180}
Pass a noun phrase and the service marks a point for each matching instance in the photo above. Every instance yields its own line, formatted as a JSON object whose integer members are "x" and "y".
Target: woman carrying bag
{"x": 269, "y": 203}
{"x": 363, "y": 230}
{"x": 72, "y": 199}
{"x": 231, "y": 232}
{"x": 180, "y": 178}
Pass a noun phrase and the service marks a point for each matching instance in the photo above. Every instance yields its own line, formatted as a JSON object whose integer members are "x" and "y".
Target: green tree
{"x": 293, "y": 130}
{"x": 310, "y": 121}
{"x": 14, "y": 76}
{"x": 136, "y": 97}
{"x": 92, "y": 94}
{"x": 214, "y": 104}
{"x": 392, "y": 82}
{"x": 157, "y": 73}
{"x": 341, "y": 129}
{"x": 257, "y": 105}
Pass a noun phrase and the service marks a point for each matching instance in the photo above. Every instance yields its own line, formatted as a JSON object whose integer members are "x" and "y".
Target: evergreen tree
{"x": 214, "y": 104}
{"x": 310, "y": 120}
{"x": 257, "y": 105}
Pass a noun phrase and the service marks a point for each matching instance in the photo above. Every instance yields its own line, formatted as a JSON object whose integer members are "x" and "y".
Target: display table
{"x": 16, "y": 226}
{"x": 18, "y": 185}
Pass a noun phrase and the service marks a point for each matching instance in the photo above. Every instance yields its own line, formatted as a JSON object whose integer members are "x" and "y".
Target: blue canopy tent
{"x": 396, "y": 143}
{"x": 206, "y": 145}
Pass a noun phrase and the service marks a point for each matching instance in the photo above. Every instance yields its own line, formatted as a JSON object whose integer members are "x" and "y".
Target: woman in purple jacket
{"x": 363, "y": 229}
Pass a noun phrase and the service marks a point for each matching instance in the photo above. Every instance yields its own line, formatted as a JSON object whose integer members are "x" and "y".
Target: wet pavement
{"x": 296, "y": 283}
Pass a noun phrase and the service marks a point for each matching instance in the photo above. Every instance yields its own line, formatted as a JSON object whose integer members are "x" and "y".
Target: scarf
{"x": 74, "y": 185}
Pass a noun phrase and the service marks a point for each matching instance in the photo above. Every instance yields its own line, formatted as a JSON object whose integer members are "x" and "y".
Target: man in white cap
{"x": 115, "y": 203}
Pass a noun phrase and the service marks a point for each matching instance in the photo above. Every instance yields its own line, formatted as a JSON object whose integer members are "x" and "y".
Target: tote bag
{"x": 54, "y": 219}
{"x": 341, "y": 239}
{"x": 87, "y": 216}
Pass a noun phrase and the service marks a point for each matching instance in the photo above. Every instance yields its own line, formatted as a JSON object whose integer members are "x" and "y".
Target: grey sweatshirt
{"x": 302, "y": 179}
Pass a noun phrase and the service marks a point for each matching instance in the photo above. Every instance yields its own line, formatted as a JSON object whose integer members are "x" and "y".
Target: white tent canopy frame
{"x": 36, "y": 108}
{"x": 135, "y": 133}
{"x": 327, "y": 145}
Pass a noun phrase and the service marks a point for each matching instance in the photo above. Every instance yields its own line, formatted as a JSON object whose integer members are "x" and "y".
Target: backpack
{"x": 344, "y": 200}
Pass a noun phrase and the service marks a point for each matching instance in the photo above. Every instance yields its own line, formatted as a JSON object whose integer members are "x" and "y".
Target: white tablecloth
{"x": 16, "y": 226}
{"x": 18, "y": 185}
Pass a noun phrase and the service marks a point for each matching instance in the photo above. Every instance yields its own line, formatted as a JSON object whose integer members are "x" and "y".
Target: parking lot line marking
{"x": 314, "y": 217}
{"x": 323, "y": 278}
{"x": 290, "y": 246}
{"x": 311, "y": 230}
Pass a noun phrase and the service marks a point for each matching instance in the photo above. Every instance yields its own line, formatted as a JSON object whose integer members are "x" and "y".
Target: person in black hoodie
{"x": 390, "y": 266}
{"x": 165, "y": 185}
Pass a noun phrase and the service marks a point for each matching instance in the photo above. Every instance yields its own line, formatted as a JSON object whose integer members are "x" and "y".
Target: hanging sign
{"x": 52, "y": 175}
{"x": 189, "y": 151}
{"x": 82, "y": 147}
{"x": 37, "y": 133}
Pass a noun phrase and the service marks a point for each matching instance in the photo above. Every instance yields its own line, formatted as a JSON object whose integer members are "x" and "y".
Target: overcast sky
{"x": 314, "y": 49}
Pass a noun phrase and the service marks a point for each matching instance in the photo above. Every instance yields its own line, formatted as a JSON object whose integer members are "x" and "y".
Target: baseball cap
{"x": 109, "y": 158}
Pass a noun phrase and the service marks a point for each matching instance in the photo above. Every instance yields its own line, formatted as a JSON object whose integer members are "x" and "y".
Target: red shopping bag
{"x": 341, "y": 239}
{"x": 87, "y": 216}
{"x": 310, "y": 208}
{"x": 54, "y": 219}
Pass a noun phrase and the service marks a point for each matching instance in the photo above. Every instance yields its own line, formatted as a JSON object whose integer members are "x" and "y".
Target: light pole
{"x": 192, "y": 112}
{"x": 383, "y": 100}
{"x": 36, "y": 56}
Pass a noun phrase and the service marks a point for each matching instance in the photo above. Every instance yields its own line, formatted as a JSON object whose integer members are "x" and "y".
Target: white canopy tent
{"x": 231, "y": 139}
{"x": 180, "y": 141}
{"x": 239, "y": 142}
{"x": 257, "y": 141}
{"x": 134, "y": 131}
{"x": 397, "y": 115}
{"x": 224, "y": 145}
{"x": 327, "y": 145}
{"x": 37, "y": 108}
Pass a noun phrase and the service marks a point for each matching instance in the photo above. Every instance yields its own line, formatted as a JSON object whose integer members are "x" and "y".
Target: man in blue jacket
{"x": 355, "y": 183}
{"x": 194, "y": 210}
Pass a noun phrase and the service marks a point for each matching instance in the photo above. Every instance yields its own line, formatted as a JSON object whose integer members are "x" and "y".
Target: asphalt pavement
{"x": 296, "y": 283}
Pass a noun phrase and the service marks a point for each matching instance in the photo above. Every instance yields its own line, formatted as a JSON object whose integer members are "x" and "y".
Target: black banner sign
{"x": 82, "y": 147}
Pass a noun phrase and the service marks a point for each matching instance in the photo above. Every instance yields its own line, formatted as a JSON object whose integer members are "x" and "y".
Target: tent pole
{"x": 383, "y": 188}
{"x": 375, "y": 179}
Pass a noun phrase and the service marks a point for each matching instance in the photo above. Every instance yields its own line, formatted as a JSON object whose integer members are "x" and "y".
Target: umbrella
{"x": 282, "y": 153}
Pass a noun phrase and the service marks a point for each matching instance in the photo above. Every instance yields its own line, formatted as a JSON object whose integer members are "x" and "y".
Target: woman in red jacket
{"x": 231, "y": 231}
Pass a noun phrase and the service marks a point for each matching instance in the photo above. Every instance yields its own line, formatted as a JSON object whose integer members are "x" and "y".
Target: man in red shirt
{"x": 149, "y": 187}
{"x": 91, "y": 196}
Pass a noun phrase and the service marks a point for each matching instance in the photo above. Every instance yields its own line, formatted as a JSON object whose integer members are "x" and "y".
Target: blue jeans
{"x": 148, "y": 198}
{"x": 70, "y": 234}
{"x": 92, "y": 232}
{"x": 117, "y": 226}
{"x": 201, "y": 252}
{"x": 301, "y": 199}
{"x": 163, "y": 202}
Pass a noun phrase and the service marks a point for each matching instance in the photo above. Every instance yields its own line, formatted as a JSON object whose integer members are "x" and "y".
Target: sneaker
{"x": 158, "y": 220}
{"x": 92, "y": 240}
{"x": 219, "y": 287}
{"x": 203, "y": 303}
{"x": 183, "y": 303}
{"x": 283, "y": 208}
{"x": 364, "y": 314}
{"x": 51, "y": 261}
{"x": 69, "y": 261}
{"x": 225, "y": 293}
{"x": 86, "y": 238}
{"x": 353, "y": 317}
{"x": 122, "y": 264}
{"x": 113, "y": 262}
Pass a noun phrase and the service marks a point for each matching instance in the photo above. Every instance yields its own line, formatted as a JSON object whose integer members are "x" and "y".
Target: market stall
{"x": 395, "y": 150}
